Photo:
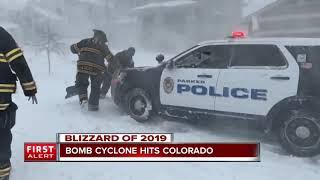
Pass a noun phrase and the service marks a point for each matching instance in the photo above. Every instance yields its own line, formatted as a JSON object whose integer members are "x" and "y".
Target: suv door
{"x": 190, "y": 83}
{"x": 258, "y": 77}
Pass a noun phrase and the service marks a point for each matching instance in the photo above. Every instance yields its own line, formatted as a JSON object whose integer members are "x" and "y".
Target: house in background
{"x": 182, "y": 23}
{"x": 285, "y": 18}
{"x": 9, "y": 25}
{"x": 75, "y": 15}
{"x": 174, "y": 24}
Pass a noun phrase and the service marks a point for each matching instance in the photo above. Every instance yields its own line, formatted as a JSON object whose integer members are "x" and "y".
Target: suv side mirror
{"x": 160, "y": 58}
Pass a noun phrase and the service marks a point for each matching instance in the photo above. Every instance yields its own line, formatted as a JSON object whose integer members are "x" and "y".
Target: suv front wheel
{"x": 300, "y": 133}
{"x": 139, "y": 105}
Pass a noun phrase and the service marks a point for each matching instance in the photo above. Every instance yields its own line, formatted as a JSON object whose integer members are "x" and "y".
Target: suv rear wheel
{"x": 138, "y": 105}
{"x": 300, "y": 133}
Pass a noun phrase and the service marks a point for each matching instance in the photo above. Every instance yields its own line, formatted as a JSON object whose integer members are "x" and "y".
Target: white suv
{"x": 273, "y": 81}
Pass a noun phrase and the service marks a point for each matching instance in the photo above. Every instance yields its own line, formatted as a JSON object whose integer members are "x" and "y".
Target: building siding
{"x": 286, "y": 18}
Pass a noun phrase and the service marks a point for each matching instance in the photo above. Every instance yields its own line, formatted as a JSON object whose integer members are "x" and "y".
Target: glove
{"x": 34, "y": 99}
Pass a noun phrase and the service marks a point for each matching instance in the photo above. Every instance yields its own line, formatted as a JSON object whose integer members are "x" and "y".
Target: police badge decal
{"x": 168, "y": 85}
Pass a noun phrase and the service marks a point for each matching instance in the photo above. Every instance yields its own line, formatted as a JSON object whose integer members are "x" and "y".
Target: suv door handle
{"x": 280, "y": 78}
{"x": 204, "y": 76}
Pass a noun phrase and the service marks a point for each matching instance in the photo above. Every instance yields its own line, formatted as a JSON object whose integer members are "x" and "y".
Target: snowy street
{"x": 40, "y": 123}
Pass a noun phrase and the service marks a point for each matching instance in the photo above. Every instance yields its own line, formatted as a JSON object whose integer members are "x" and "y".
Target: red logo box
{"x": 40, "y": 152}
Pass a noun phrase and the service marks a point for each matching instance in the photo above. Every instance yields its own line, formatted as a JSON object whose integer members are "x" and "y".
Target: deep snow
{"x": 54, "y": 114}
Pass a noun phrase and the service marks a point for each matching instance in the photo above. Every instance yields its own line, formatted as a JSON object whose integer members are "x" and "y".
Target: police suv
{"x": 273, "y": 81}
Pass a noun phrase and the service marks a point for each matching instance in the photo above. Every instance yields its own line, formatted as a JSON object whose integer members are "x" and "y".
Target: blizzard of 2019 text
{"x": 115, "y": 138}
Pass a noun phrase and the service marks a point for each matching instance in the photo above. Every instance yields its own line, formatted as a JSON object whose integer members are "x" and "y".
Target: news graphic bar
{"x": 136, "y": 147}
{"x": 159, "y": 152}
{"x": 115, "y": 138}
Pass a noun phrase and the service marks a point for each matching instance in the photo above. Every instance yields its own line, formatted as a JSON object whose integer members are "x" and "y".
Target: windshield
{"x": 183, "y": 52}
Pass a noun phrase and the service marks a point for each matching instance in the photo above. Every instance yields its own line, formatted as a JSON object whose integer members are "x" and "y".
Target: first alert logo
{"x": 141, "y": 151}
{"x": 40, "y": 152}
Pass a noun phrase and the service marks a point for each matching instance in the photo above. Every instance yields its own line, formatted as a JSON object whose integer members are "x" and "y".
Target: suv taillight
{"x": 122, "y": 76}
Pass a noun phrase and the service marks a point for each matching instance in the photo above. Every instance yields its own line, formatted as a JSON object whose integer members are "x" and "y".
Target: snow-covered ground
{"x": 55, "y": 114}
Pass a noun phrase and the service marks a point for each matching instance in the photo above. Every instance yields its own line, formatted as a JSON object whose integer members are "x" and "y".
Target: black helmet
{"x": 160, "y": 58}
{"x": 100, "y": 35}
{"x": 131, "y": 51}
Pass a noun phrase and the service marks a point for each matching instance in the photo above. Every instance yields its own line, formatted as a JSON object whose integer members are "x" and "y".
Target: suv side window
{"x": 208, "y": 57}
{"x": 257, "y": 55}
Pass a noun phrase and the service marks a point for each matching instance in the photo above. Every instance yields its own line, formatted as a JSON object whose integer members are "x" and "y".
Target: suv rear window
{"x": 309, "y": 78}
{"x": 257, "y": 55}
{"x": 311, "y": 53}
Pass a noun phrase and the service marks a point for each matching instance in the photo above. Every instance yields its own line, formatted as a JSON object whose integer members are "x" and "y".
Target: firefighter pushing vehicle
{"x": 11, "y": 59}
{"x": 121, "y": 60}
{"x": 92, "y": 53}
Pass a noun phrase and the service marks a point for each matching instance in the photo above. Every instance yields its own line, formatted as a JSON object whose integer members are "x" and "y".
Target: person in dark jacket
{"x": 91, "y": 64}
{"x": 11, "y": 60}
{"x": 121, "y": 60}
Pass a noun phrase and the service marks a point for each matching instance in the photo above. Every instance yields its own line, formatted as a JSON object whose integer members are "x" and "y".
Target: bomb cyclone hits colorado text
{"x": 135, "y": 150}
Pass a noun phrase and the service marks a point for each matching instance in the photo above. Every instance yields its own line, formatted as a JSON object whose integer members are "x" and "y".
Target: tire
{"x": 299, "y": 133}
{"x": 139, "y": 105}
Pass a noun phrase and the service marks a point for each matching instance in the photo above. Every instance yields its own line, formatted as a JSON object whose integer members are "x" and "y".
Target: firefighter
{"x": 11, "y": 59}
{"x": 120, "y": 61}
{"x": 91, "y": 65}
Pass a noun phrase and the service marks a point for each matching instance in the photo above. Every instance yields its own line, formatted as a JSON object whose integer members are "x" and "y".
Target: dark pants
{"x": 7, "y": 121}
{"x": 107, "y": 78}
{"x": 5, "y": 146}
{"x": 82, "y": 83}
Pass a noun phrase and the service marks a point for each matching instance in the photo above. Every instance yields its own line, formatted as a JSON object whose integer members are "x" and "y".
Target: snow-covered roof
{"x": 47, "y": 13}
{"x": 124, "y": 20}
{"x": 97, "y": 2}
{"x": 166, "y": 4}
{"x": 8, "y": 25}
{"x": 13, "y": 4}
{"x": 256, "y": 5}
{"x": 267, "y": 6}
{"x": 280, "y": 41}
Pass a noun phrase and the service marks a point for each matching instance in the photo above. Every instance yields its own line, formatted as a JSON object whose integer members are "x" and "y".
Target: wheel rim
{"x": 303, "y": 133}
{"x": 138, "y": 105}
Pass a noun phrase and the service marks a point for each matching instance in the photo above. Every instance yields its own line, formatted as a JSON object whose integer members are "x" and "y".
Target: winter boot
{"x": 71, "y": 91}
{"x": 103, "y": 96}
{"x": 83, "y": 99}
{"x": 93, "y": 107}
{"x": 5, "y": 169}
